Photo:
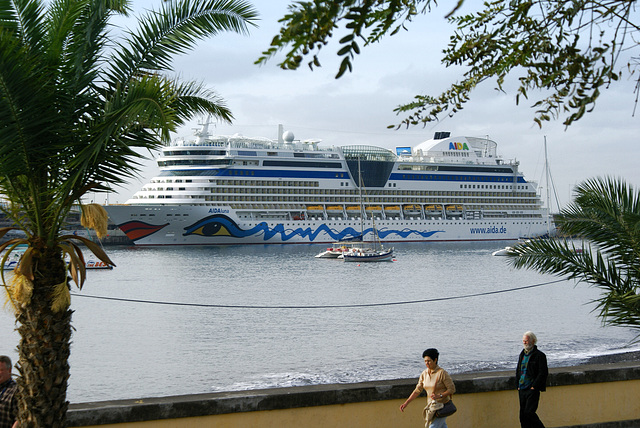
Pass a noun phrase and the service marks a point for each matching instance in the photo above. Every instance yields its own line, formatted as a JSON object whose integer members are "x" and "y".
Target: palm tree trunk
{"x": 43, "y": 352}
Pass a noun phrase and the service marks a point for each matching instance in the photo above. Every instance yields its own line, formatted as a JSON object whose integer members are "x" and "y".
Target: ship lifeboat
{"x": 335, "y": 209}
{"x": 433, "y": 210}
{"x": 314, "y": 210}
{"x": 373, "y": 209}
{"x": 453, "y": 210}
{"x": 392, "y": 209}
{"x": 353, "y": 210}
{"x": 412, "y": 210}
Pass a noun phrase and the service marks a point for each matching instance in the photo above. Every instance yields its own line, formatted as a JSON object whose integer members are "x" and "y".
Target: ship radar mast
{"x": 203, "y": 133}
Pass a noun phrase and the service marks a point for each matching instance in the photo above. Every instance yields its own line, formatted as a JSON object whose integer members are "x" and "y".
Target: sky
{"x": 357, "y": 108}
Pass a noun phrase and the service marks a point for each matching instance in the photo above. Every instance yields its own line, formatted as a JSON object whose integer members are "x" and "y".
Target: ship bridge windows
{"x": 314, "y": 155}
{"x": 191, "y": 172}
{"x": 195, "y": 162}
{"x": 194, "y": 152}
{"x": 302, "y": 164}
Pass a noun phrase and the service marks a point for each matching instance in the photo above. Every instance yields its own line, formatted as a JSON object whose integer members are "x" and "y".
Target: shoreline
{"x": 614, "y": 358}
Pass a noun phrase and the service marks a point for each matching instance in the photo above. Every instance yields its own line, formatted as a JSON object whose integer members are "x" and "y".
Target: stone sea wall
{"x": 594, "y": 395}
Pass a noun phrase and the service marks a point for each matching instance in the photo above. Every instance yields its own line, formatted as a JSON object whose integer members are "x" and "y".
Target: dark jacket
{"x": 537, "y": 369}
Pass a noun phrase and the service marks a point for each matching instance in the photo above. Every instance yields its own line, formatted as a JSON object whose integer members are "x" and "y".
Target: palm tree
{"x": 76, "y": 109}
{"x": 603, "y": 223}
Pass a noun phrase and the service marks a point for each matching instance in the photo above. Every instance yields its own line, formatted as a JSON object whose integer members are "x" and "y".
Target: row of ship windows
{"x": 180, "y": 180}
{"x": 510, "y": 202}
{"x": 505, "y": 203}
{"x": 293, "y": 208}
{"x": 313, "y": 155}
{"x": 462, "y": 186}
{"x": 480, "y": 186}
{"x": 492, "y": 186}
{"x": 271, "y": 191}
{"x": 442, "y": 177}
{"x": 353, "y": 192}
{"x": 274, "y": 183}
{"x": 339, "y": 192}
{"x": 301, "y": 183}
{"x": 418, "y": 177}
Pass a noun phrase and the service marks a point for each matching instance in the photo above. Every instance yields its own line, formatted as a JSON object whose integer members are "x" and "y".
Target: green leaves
{"x": 309, "y": 26}
{"x": 563, "y": 52}
{"x": 604, "y": 249}
{"x": 174, "y": 30}
{"x": 541, "y": 43}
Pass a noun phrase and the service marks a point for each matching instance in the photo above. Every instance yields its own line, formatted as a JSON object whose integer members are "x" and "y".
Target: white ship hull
{"x": 201, "y": 225}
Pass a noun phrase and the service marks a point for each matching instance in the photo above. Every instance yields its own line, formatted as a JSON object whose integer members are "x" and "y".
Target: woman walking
{"x": 439, "y": 388}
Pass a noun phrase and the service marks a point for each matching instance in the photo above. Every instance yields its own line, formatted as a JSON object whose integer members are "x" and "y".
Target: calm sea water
{"x": 209, "y": 319}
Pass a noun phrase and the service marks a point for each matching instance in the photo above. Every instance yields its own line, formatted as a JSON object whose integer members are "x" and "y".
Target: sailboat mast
{"x": 362, "y": 212}
{"x": 546, "y": 170}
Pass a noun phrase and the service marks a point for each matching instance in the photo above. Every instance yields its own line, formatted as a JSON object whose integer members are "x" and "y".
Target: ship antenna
{"x": 546, "y": 171}
{"x": 203, "y": 133}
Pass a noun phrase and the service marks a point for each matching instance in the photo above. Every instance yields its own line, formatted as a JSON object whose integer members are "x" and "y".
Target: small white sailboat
{"x": 339, "y": 248}
{"x": 369, "y": 255}
{"x": 371, "y": 251}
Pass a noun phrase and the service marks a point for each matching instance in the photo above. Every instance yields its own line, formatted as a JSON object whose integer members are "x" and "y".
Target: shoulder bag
{"x": 448, "y": 410}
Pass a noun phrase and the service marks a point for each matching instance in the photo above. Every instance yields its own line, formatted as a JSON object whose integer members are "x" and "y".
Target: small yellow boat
{"x": 412, "y": 209}
{"x": 433, "y": 209}
{"x": 353, "y": 210}
{"x": 453, "y": 209}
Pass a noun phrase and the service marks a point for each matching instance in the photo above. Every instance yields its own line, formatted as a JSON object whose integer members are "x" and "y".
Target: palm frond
{"x": 174, "y": 30}
{"x": 605, "y": 218}
{"x": 194, "y": 97}
{"x": 25, "y": 19}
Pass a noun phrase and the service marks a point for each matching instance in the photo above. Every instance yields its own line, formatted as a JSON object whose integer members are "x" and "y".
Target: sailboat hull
{"x": 384, "y": 255}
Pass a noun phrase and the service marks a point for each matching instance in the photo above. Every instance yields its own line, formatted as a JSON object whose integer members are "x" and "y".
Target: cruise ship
{"x": 238, "y": 190}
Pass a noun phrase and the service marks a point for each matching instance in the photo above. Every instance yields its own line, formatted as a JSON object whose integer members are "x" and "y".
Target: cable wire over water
{"x": 349, "y": 306}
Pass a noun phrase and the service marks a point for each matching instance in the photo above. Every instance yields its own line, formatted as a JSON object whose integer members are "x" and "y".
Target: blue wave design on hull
{"x": 223, "y": 226}
{"x": 404, "y": 233}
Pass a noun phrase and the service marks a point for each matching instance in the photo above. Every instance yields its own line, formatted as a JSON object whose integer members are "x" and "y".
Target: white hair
{"x": 532, "y": 337}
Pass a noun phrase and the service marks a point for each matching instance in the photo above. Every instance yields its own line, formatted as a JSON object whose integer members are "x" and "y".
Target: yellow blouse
{"x": 437, "y": 382}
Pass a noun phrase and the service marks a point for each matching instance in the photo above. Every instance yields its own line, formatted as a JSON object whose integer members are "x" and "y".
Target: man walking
{"x": 531, "y": 375}
{"x": 8, "y": 403}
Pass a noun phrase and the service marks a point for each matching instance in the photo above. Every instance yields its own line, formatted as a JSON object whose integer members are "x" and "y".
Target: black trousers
{"x": 529, "y": 399}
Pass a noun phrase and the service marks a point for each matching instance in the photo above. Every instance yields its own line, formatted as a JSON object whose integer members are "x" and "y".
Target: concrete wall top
{"x": 145, "y": 409}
